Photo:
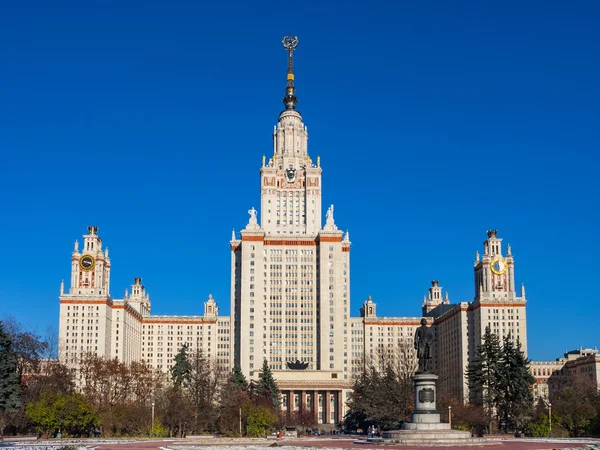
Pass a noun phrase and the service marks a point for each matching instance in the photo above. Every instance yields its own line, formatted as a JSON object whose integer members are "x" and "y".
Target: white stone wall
{"x": 390, "y": 340}
{"x": 357, "y": 345}
{"x": 453, "y": 351}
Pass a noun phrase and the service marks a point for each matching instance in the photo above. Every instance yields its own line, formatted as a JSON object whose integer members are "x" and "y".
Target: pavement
{"x": 346, "y": 442}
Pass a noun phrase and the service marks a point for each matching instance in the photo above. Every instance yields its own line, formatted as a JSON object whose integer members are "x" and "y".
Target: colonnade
{"x": 325, "y": 406}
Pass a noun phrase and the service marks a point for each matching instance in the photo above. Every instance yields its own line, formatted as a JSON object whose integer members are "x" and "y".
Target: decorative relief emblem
{"x": 298, "y": 365}
{"x": 313, "y": 182}
{"x": 290, "y": 174}
{"x": 291, "y": 184}
{"x": 426, "y": 395}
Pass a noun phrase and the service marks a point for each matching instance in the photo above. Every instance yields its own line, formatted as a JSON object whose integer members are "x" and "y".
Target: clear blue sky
{"x": 434, "y": 121}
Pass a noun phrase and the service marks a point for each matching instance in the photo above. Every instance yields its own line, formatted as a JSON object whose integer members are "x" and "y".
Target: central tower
{"x": 290, "y": 182}
{"x": 290, "y": 276}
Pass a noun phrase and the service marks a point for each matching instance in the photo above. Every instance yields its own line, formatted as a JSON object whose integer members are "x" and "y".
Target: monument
{"x": 425, "y": 426}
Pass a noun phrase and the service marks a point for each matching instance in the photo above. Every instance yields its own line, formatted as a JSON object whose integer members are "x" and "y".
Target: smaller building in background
{"x": 581, "y": 362}
{"x": 542, "y": 371}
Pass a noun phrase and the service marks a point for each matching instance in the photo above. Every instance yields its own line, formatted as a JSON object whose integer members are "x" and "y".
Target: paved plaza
{"x": 330, "y": 442}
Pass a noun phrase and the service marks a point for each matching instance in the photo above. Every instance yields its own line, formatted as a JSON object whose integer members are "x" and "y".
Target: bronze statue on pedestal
{"x": 423, "y": 341}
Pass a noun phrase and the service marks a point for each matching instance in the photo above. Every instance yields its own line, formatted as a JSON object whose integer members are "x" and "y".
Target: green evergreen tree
{"x": 360, "y": 403}
{"x": 252, "y": 389}
{"x": 515, "y": 401}
{"x": 267, "y": 386}
{"x": 181, "y": 368}
{"x": 484, "y": 373}
{"x": 201, "y": 385}
{"x": 235, "y": 392}
{"x": 10, "y": 382}
{"x": 238, "y": 379}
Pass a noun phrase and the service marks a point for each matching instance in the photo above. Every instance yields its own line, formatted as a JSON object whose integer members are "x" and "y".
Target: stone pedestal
{"x": 425, "y": 416}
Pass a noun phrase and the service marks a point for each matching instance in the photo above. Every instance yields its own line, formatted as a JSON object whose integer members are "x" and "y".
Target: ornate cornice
{"x": 314, "y": 384}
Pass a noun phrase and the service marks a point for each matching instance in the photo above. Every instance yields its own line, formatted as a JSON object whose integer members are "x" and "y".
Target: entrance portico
{"x": 319, "y": 395}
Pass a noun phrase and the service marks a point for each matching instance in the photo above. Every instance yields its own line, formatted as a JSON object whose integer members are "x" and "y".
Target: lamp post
{"x": 450, "y": 416}
{"x": 549, "y": 419}
{"x": 240, "y": 422}
{"x": 152, "y": 432}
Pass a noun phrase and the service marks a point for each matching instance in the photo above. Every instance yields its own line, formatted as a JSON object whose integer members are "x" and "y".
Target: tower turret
{"x": 139, "y": 298}
{"x": 434, "y": 297}
{"x": 210, "y": 307}
{"x": 369, "y": 308}
{"x": 494, "y": 273}
{"x": 90, "y": 269}
{"x": 290, "y": 182}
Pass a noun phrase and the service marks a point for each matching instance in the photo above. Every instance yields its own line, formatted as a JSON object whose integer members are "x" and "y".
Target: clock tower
{"x": 86, "y": 313}
{"x": 494, "y": 273}
{"x": 496, "y": 304}
{"x": 90, "y": 268}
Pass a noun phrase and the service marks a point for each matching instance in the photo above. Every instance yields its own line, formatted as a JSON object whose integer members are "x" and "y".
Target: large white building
{"x": 290, "y": 297}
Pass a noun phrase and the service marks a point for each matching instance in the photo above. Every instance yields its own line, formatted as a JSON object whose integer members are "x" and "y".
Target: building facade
{"x": 583, "y": 362}
{"x": 290, "y": 298}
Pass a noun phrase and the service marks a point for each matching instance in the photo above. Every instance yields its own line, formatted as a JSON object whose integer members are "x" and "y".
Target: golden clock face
{"x": 87, "y": 263}
{"x": 498, "y": 266}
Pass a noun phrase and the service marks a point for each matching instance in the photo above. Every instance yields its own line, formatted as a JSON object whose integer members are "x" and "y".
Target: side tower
{"x": 461, "y": 326}
{"x": 496, "y": 302}
{"x": 434, "y": 298}
{"x": 86, "y": 310}
{"x": 290, "y": 278}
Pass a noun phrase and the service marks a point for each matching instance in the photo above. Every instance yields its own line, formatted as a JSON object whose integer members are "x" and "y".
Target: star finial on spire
{"x": 290, "y": 43}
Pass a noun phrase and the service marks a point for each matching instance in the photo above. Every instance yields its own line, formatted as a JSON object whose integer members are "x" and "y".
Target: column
{"x": 339, "y": 406}
{"x": 315, "y": 406}
{"x": 326, "y": 406}
{"x": 303, "y": 401}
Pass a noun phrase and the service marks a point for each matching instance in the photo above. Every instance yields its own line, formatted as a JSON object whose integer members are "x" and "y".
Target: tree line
{"x": 106, "y": 397}
{"x": 500, "y": 388}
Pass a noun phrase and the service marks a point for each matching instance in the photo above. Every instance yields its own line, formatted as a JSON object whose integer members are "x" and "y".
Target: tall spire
{"x": 290, "y": 43}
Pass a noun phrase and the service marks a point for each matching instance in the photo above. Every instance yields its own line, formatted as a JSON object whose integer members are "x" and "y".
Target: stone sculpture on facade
{"x": 329, "y": 215}
{"x": 252, "y": 213}
{"x": 329, "y": 221}
{"x": 297, "y": 365}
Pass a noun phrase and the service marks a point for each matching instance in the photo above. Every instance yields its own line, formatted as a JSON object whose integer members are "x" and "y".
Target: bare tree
{"x": 28, "y": 346}
{"x": 383, "y": 395}
{"x": 51, "y": 340}
{"x": 202, "y": 389}
{"x": 303, "y": 417}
